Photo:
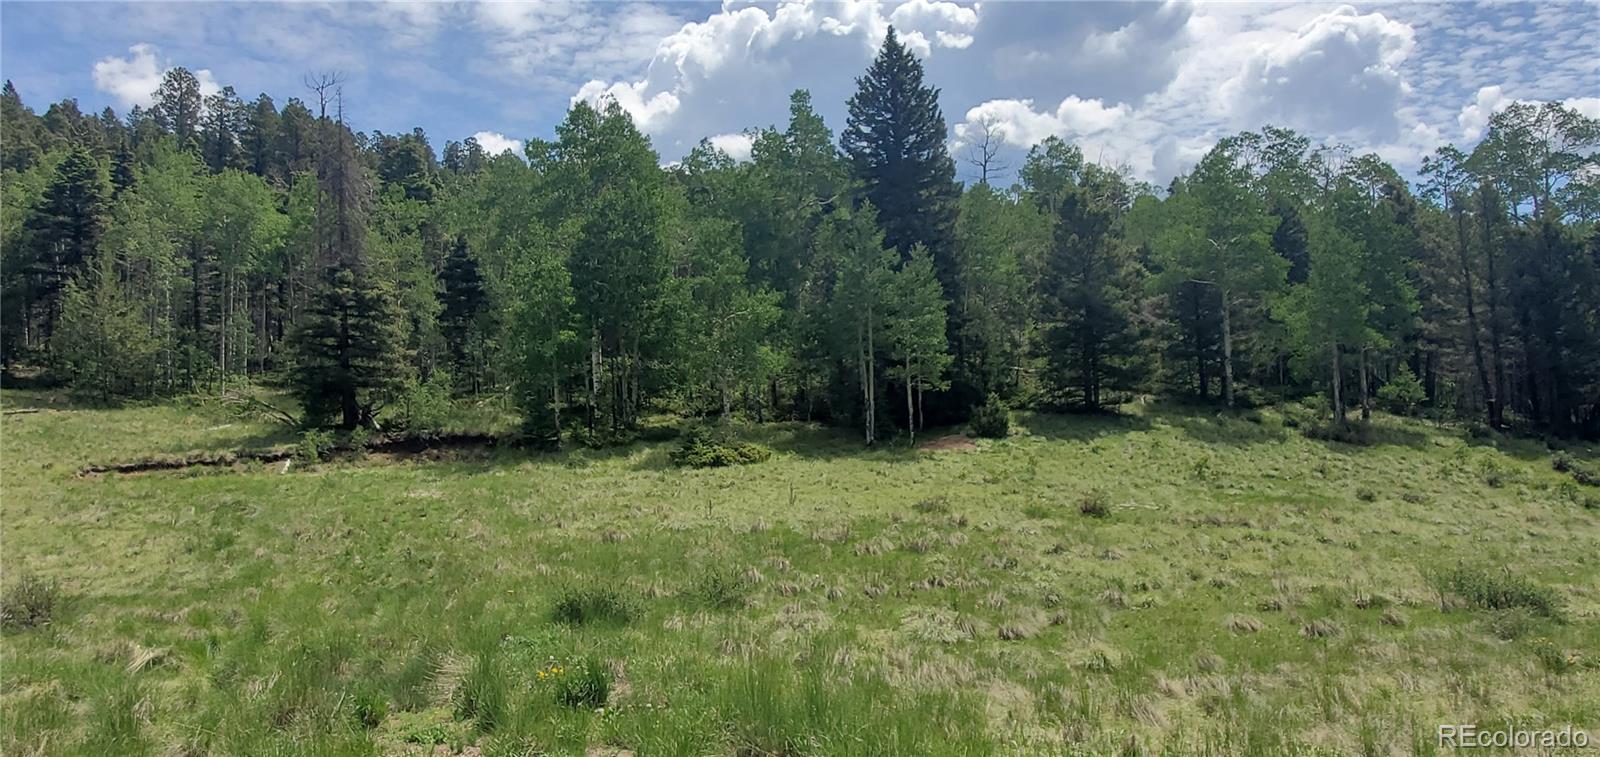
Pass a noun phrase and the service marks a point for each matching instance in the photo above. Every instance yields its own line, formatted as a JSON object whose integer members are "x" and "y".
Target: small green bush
{"x": 424, "y": 405}
{"x": 30, "y": 603}
{"x": 1496, "y": 590}
{"x": 1510, "y": 624}
{"x": 587, "y": 684}
{"x": 576, "y": 607}
{"x": 702, "y": 448}
{"x": 1403, "y": 393}
{"x": 371, "y": 707}
{"x": 313, "y": 445}
{"x": 1551, "y": 657}
{"x": 992, "y": 419}
{"x": 722, "y": 588}
{"x": 1095, "y": 504}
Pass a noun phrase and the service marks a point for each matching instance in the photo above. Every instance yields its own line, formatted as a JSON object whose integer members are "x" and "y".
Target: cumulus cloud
{"x": 736, "y": 68}
{"x": 1018, "y": 123}
{"x": 495, "y": 143}
{"x": 737, "y": 146}
{"x": 133, "y": 80}
{"x": 1340, "y": 72}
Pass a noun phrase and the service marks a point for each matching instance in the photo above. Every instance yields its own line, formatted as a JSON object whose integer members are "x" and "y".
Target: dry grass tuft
{"x": 1321, "y": 628}
{"x": 1025, "y": 625}
{"x": 873, "y": 547}
{"x": 1393, "y": 617}
{"x": 1243, "y": 624}
{"x": 1114, "y": 599}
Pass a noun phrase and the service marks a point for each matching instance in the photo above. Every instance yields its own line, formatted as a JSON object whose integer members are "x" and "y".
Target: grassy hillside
{"x": 1169, "y": 580}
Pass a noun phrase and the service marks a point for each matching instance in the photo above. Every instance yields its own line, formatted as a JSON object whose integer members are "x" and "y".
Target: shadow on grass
{"x": 1081, "y": 427}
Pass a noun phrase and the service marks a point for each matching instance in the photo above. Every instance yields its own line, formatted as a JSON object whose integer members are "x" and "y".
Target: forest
{"x": 210, "y": 243}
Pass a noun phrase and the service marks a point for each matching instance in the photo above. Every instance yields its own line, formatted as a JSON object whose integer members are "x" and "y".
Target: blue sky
{"x": 1150, "y": 85}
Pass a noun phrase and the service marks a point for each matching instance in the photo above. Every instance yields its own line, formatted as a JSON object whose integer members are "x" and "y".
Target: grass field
{"x": 1167, "y": 581}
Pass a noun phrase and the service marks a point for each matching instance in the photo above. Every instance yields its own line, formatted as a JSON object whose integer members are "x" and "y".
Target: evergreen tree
{"x": 895, "y": 141}
{"x": 350, "y": 348}
{"x": 464, "y": 315}
{"x": 65, "y": 228}
{"x": 260, "y": 140}
{"x": 178, "y": 106}
{"x": 1089, "y": 304}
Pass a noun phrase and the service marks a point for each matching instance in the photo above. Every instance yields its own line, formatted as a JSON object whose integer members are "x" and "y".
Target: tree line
{"x": 206, "y": 241}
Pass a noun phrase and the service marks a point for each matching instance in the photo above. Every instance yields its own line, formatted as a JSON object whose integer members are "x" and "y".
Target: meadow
{"x": 1164, "y": 581}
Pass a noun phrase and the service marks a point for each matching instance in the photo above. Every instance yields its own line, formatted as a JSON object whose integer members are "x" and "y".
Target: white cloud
{"x": 495, "y": 143}
{"x": 737, "y": 146}
{"x": 1338, "y": 73}
{"x": 133, "y": 80}
{"x": 1474, "y": 118}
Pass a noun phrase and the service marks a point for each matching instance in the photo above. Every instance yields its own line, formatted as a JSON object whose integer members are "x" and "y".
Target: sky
{"x": 1147, "y": 85}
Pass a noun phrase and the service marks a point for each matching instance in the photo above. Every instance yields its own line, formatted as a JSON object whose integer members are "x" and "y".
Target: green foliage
{"x": 992, "y": 419}
{"x": 424, "y": 405}
{"x": 1492, "y": 589}
{"x": 351, "y": 356}
{"x": 585, "y": 684}
{"x": 582, "y": 606}
{"x": 313, "y": 445}
{"x": 721, "y": 587}
{"x": 102, "y": 345}
{"x": 702, "y": 447}
{"x": 1089, "y": 297}
{"x": 1403, "y": 392}
{"x": 1095, "y": 504}
{"x": 30, "y": 602}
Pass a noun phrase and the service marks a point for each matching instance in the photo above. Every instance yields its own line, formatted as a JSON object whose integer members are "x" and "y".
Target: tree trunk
{"x": 1497, "y": 418}
{"x": 1490, "y": 398}
{"x": 1366, "y": 397}
{"x": 911, "y": 416}
{"x": 1227, "y": 352}
{"x": 1338, "y": 389}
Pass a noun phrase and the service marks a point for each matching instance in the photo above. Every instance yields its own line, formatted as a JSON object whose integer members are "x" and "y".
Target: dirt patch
{"x": 951, "y": 443}
{"x": 384, "y": 449}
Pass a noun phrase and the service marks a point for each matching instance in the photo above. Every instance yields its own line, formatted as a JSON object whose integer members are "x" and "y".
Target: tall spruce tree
{"x": 895, "y": 142}
{"x": 464, "y": 315}
{"x": 350, "y": 348}
{"x": 65, "y": 228}
{"x": 1089, "y": 303}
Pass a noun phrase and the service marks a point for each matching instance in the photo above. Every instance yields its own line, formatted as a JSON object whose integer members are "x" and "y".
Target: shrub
{"x": 1366, "y": 494}
{"x": 1552, "y": 658}
{"x": 722, "y": 588}
{"x": 371, "y": 707}
{"x": 1510, "y": 624}
{"x": 313, "y": 445}
{"x": 1095, "y": 504}
{"x": 1496, "y": 590}
{"x": 701, "y": 448}
{"x": 992, "y": 419}
{"x": 1403, "y": 393}
{"x": 578, "y": 607}
{"x": 587, "y": 684}
{"x": 424, "y": 405}
{"x": 29, "y": 603}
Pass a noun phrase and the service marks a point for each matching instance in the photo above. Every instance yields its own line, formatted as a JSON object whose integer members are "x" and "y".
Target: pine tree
{"x": 464, "y": 315}
{"x": 178, "y": 107}
{"x": 895, "y": 141}
{"x": 351, "y": 352}
{"x": 65, "y": 228}
{"x": 1090, "y": 285}
{"x": 350, "y": 348}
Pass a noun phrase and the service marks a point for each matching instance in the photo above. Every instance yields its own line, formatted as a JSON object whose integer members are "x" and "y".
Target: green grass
{"x": 1247, "y": 591}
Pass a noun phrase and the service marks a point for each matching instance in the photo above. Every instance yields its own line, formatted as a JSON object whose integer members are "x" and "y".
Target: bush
{"x": 992, "y": 419}
{"x": 1095, "y": 504}
{"x": 30, "y": 603}
{"x": 701, "y": 448}
{"x": 1496, "y": 590}
{"x": 313, "y": 445}
{"x": 721, "y": 588}
{"x": 1565, "y": 463}
{"x": 424, "y": 405}
{"x": 578, "y": 607}
{"x": 371, "y": 707}
{"x": 587, "y": 684}
{"x": 1403, "y": 393}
